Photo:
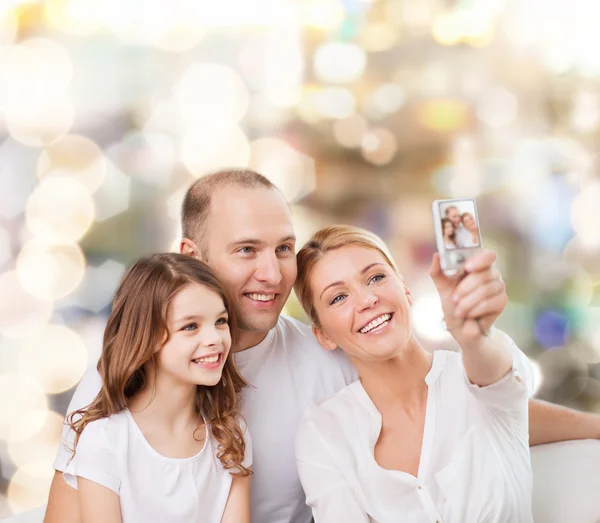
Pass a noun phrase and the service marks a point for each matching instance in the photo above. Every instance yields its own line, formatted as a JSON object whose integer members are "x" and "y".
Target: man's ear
{"x": 189, "y": 248}
{"x": 326, "y": 342}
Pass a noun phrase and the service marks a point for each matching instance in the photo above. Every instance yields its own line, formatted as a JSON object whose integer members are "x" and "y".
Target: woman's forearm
{"x": 489, "y": 360}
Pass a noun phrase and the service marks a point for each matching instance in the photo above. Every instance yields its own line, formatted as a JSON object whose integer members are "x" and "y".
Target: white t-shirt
{"x": 474, "y": 464}
{"x": 288, "y": 371}
{"x": 152, "y": 488}
{"x": 463, "y": 238}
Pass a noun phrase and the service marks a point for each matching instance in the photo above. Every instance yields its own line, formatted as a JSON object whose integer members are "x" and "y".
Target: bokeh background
{"x": 361, "y": 111}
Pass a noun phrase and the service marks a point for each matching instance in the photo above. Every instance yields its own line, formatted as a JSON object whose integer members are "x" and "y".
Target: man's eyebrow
{"x": 256, "y": 241}
{"x": 363, "y": 271}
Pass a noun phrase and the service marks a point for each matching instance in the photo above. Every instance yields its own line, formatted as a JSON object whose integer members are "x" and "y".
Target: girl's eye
{"x": 337, "y": 299}
{"x": 190, "y": 327}
{"x": 377, "y": 278}
{"x": 221, "y": 321}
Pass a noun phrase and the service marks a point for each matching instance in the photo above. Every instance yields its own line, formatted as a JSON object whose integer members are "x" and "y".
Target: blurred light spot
{"x": 573, "y": 159}
{"x": 427, "y": 318}
{"x": 443, "y": 115}
{"x": 5, "y": 248}
{"x": 379, "y": 146}
{"x": 290, "y": 170}
{"x": 211, "y": 93}
{"x": 21, "y": 314}
{"x": 30, "y": 485}
{"x": 538, "y": 377}
{"x": 50, "y": 272}
{"x": 17, "y": 165}
{"x": 384, "y": 100}
{"x": 446, "y": 30}
{"x": 210, "y": 148}
{"x": 322, "y": 14}
{"x": 147, "y": 156}
{"x": 470, "y": 25}
{"x": 586, "y": 112}
{"x": 497, "y": 107}
{"x": 80, "y": 17}
{"x": 466, "y": 175}
{"x": 40, "y": 121}
{"x": 9, "y": 25}
{"x": 99, "y": 284}
{"x": 551, "y": 329}
{"x": 74, "y": 156}
{"x": 334, "y": 102}
{"x": 381, "y": 36}
{"x": 264, "y": 114}
{"x": 56, "y": 356}
{"x": 585, "y": 215}
{"x": 60, "y": 210}
{"x": 307, "y": 105}
{"x": 339, "y": 62}
{"x": 112, "y": 197}
{"x": 349, "y": 131}
{"x": 20, "y": 394}
{"x": 25, "y": 447}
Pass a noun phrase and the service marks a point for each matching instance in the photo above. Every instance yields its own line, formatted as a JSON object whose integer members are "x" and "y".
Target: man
{"x": 240, "y": 224}
{"x": 462, "y": 236}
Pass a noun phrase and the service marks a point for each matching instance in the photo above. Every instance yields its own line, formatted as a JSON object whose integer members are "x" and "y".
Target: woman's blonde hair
{"x": 137, "y": 328}
{"x": 329, "y": 239}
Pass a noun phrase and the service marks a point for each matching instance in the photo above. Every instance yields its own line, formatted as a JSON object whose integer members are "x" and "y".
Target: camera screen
{"x": 460, "y": 227}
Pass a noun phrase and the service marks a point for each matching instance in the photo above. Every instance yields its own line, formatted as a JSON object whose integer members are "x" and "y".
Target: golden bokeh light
{"x": 20, "y": 394}
{"x": 60, "y": 210}
{"x": 334, "y": 102}
{"x": 30, "y": 485}
{"x": 56, "y": 356}
{"x": 211, "y": 93}
{"x": 40, "y": 121}
{"x": 379, "y": 146}
{"x": 206, "y": 149}
{"x": 79, "y": 17}
{"x": 50, "y": 272}
{"x": 380, "y": 36}
{"x": 350, "y": 131}
{"x": 322, "y": 14}
{"x": 290, "y": 170}
{"x": 9, "y": 25}
{"x": 443, "y": 115}
{"x": 40, "y": 446}
{"x": 74, "y": 156}
{"x": 21, "y": 313}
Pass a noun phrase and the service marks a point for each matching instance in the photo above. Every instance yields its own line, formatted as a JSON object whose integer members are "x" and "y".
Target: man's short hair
{"x": 196, "y": 204}
{"x": 447, "y": 210}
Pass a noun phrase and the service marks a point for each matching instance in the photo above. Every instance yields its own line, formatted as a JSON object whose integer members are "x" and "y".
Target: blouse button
{"x": 420, "y": 487}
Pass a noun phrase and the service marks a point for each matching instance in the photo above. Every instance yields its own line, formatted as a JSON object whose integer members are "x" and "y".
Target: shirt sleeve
{"x": 86, "y": 391}
{"x": 328, "y": 493}
{"x": 94, "y": 458}
{"x": 511, "y": 391}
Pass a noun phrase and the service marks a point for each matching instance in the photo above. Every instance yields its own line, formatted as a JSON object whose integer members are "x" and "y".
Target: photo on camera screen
{"x": 460, "y": 226}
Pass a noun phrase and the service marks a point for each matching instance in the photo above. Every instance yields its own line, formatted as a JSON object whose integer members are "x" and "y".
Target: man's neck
{"x": 248, "y": 340}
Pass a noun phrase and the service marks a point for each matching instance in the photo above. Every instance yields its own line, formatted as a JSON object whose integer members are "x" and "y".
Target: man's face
{"x": 454, "y": 216}
{"x": 250, "y": 244}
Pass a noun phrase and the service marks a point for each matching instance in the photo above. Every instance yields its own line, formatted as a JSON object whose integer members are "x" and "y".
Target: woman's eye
{"x": 190, "y": 327}
{"x": 377, "y": 278}
{"x": 221, "y": 321}
{"x": 337, "y": 299}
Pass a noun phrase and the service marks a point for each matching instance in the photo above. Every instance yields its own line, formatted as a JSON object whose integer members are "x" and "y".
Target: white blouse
{"x": 151, "y": 487}
{"x": 474, "y": 466}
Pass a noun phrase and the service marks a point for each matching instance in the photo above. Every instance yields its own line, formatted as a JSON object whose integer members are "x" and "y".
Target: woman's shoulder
{"x": 107, "y": 430}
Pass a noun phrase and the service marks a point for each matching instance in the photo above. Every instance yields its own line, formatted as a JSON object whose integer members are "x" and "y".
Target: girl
{"x": 449, "y": 233}
{"x": 420, "y": 437}
{"x": 163, "y": 440}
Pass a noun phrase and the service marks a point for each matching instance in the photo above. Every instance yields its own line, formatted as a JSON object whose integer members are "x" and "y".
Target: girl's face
{"x": 362, "y": 304}
{"x": 448, "y": 229}
{"x": 199, "y": 341}
{"x": 469, "y": 222}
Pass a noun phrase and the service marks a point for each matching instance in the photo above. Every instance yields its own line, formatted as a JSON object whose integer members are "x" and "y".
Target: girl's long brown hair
{"x": 137, "y": 328}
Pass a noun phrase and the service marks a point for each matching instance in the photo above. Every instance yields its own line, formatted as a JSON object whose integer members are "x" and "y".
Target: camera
{"x": 457, "y": 232}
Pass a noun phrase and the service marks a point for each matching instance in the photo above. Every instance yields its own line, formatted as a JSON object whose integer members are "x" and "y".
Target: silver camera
{"x": 457, "y": 232}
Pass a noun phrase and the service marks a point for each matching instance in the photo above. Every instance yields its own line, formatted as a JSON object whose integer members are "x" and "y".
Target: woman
{"x": 162, "y": 441}
{"x": 420, "y": 437}
{"x": 470, "y": 224}
{"x": 449, "y": 233}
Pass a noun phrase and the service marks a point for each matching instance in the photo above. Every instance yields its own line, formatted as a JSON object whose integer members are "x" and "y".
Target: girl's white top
{"x": 474, "y": 464}
{"x": 152, "y": 488}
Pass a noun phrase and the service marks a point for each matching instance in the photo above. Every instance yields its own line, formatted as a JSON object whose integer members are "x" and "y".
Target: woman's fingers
{"x": 488, "y": 305}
